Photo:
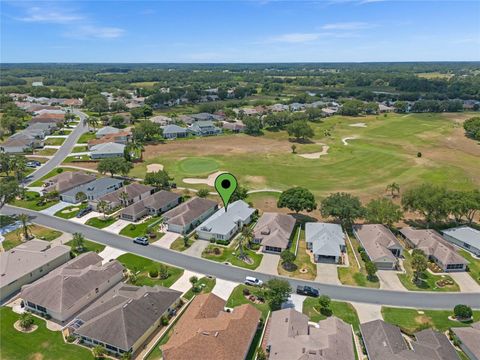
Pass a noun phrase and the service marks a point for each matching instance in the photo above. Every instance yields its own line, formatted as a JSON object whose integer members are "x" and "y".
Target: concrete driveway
{"x": 295, "y": 301}
{"x": 327, "y": 273}
{"x": 269, "y": 264}
{"x": 368, "y": 312}
{"x": 110, "y": 253}
{"x": 465, "y": 281}
{"x": 84, "y": 218}
{"x": 223, "y": 288}
{"x": 197, "y": 248}
{"x": 166, "y": 240}
{"x": 57, "y": 207}
{"x": 117, "y": 226}
{"x": 389, "y": 280}
{"x": 183, "y": 283}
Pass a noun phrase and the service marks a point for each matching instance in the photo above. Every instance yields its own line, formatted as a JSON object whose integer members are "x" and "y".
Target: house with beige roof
{"x": 125, "y": 196}
{"x": 28, "y": 262}
{"x": 381, "y": 246}
{"x": 124, "y": 318}
{"x": 469, "y": 340}
{"x": 152, "y": 205}
{"x": 66, "y": 181}
{"x": 208, "y": 332}
{"x": 68, "y": 289}
{"x": 290, "y": 336}
{"x": 273, "y": 232}
{"x": 435, "y": 248}
{"x": 185, "y": 217}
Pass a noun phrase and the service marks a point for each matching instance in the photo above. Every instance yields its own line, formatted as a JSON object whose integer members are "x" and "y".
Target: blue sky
{"x": 239, "y": 31}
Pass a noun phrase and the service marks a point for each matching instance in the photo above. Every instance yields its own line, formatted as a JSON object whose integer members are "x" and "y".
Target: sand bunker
{"x": 316, "y": 155}
{"x": 362, "y": 125}
{"x": 344, "y": 140}
{"x": 154, "y": 167}
{"x": 210, "y": 180}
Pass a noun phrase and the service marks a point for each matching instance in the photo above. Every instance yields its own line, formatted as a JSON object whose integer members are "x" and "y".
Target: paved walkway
{"x": 117, "y": 226}
{"x": 53, "y": 209}
{"x": 110, "y": 253}
{"x": 389, "y": 280}
{"x": 166, "y": 240}
{"x": 223, "y": 288}
{"x": 269, "y": 264}
{"x": 368, "y": 312}
{"x": 327, "y": 273}
{"x": 62, "y": 239}
{"x": 197, "y": 248}
{"x": 465, "y": 281}
{"x": 183, "y": 283}
{"x": 84, "y": 219}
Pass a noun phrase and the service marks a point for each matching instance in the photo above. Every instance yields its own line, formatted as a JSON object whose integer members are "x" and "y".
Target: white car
{"x": 250, "y": 280}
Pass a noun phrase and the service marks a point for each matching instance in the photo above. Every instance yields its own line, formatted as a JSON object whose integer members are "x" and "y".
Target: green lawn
{"x": 70, "y": 211}
{"x": 428, "y": 280}
{"x": 141, "y": 266}
{"x": 12, "y": 238}
{"x": 411, "y": 320}
{"x": 342, "y": 310}
{"x": 86, "y": 137}
{"x": 305, "y": 269}
{"x": 72, "y": 159}
{"x": 88, "y": 246}
{"x": 473, "y": 265}
{"x": 81, "y": 148}
{"x": 135, "y": 230}
{"x": 179, "y": 244}
{"x": 54, "y": 141}
{"x": 198, "y": 166}
{"x": 46, "y": 152}
{"x": 33, "y": 201}
{"x": 40, "y": 344}
{"x": 207, "y": 285}
{"x": 237, "y": 298}
{"x": 100, "y": 222}
{"x": 230, "y": 255}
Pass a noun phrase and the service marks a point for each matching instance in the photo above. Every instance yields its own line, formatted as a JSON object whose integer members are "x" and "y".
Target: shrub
{"x": 216, "y": 251}
{"x": 70, "y": 338}
{"x": 463, "y": 311}
{"x": 163, "y": 271}
{"x": 59, "y": 170}
{"x": 164, "y": 320}
{"x": 222, "y": 242}
{"x": 419, "y": 154}
{"x": 153, "y": 273}
{"x": 195, "y": 236}
{"x": 246, "y": 292}
{"x": 326, "y": 311}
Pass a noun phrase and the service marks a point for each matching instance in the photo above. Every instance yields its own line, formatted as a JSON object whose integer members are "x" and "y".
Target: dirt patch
{"x": 316, "y": 155}
{"x": 346, "y": 139}
{"x": 256, "y": 180}
{"x": 210, "y": 180}
{"x": 422, "y": 320}
{"x": 361, "y": 125}
{"x": 459, "y": 118}
{"x": 36, "y": 356}
{"x": 154, "y": 167}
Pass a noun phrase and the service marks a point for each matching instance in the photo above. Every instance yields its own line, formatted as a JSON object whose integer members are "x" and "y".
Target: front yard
{"x": 85, "y": 138}
{"x": 473, "y": 265}
{"x": 179, "y": 244}
{"x": 205, "y": 283}
{"x": 33, "y": 201}
{"x": 13, "y": 238}
{"x": 304, "y": 268}
{"x": 231, "y": 255}
{"x": 70, "y": 211}
{"x": 340, "y": 309}
{"x": 46, "y": 152}
{"x": 101, "y": 222}
{"x": 136, "y": 230}
{"x": 40, "y": 344}
{"x": 427, "y": 281}
{"x": 87, "y": 246}
{"x": 54, "y": 141}
{"x": 141, "y": 267}
{"x": 237, "y": 298}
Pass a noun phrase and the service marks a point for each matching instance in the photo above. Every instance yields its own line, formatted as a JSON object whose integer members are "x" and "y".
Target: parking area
{"x": 327, "y": 274}
{"x": 117, "y": 226}
{"x": 197, "y": 248}
{"x": 57, "y": 207}
{"x": 166, "y": 240}
{"x": 110, "y": 253}
{"x": 269, "y": 264}
{"x": 183, "y": 284}
{"x": 465, "y": 281}
{"x": 224, "y": 288}
{"x": 389, "y": 280}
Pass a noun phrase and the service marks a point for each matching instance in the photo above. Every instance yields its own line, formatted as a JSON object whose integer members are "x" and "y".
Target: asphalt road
{"x": 64, "y": 150}
{"x": 419, "y": 300}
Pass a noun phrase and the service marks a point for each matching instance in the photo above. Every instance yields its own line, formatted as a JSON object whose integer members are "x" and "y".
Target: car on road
{"x": 141, "y": 240}
{"x": 84, "y": 211}
{"x": 307, "y": 290}
{"x": 253, "y": 281}
{"x": 33, "y": 164}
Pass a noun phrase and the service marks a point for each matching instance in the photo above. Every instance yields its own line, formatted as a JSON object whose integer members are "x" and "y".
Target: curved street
{"x": 419, "y": 300}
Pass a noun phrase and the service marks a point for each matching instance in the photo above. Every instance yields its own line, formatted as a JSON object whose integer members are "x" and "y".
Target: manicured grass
{"x": 100, "y": 222}
{"x": 340, "y": 309}
{"x": 81, "y": 148}
{"x": 237, "y": 298}
{"x": 72, "y": 159}
{"x": 88, "y": 246}
{"x": 427, "y": 281}
{"x": 40, "y": 344}
{"x": 33, "y": 201}
{"x": 294, "y": 239}
{"x": 84, "y": 138}
{"x": 198, "y": 166}
{"x": 62, "y": 132}
{"x": 410, "y": 320}
{"x": 353, "y": 275}
{"x": 46, "y": 152}
{"x": 12, "y": 238}
{"x": 473, "y": 265}
{"x": 136, "y": 230}
{"x": 70, "y": 211}
{"x": 230, "y": 254}
{"x": 54, "y": 141}
{"x": 141, "y": 266}
{"x": 207, "y": 285}
{"x": 179, "y": 244}
{"x": 302, "y": 261}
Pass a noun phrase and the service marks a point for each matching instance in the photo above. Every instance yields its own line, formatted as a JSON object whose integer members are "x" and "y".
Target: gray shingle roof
{"x": 222, "y": 222}
{"x": 155, "y": 201}
{"x": 189, "y": 211}
{"x": 377, "y": 240}
{"x": 108, "y": 148}
{"x": 470, "y": 337}
{"x": 107, "y": 130}
{"x": 326, "y": 238}
{"x": 94, "y": 187}
{"x": 465, "y": 234}
{"x": 274, "y": 229}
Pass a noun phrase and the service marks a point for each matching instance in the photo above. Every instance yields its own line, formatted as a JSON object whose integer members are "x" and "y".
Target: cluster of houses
{"x": 131, "y": 101}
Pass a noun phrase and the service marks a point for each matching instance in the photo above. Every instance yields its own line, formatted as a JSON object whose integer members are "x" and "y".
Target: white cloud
{"x": 98, "y": 32}
{"x": 44, "y": 15}
{"x": 296, "y": 37}
{"x": 354, "y": 25}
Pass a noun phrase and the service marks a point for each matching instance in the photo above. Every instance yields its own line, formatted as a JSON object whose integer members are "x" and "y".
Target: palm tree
{"x": 25, "y": 226}
{"x": 247, "y": 233}
{"x": 99, "y": 351}
{"x": 393, "y": 188}
{"x": 78, "y": 242}
{"x": 102, "y": 207}
{"x": 81, "y": 196}
{"x": 93, "y": 121}
{"x": 26, "y": 320}
{"x": 124, "y": 198}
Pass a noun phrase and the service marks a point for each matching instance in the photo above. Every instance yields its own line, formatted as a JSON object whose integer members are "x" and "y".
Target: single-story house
{"x": 326, "y": 241}
{"x": 465, "y": 237}
{"x": 161, "y": 119}
{"x": 385, "y": 341}
{"x": 385, "y": 108}
{"x": 106, "y": 130}
{"x": 122, "y": 137}
{"x": 223, "y": 225}
{"x": 134, "y": 193}
{"x": 28, "y": 262}
{"x": 154, "y": 204}
{"x": 236, "y": 126}
{"x": 204, "y": 128}
{"x": 174, "y": 131}
{"x": 185, "y": 217}
{"x": 278, "y": 107}
{"x": 381, "y": 246}
{"x": 435, "y": 248}
{"x": 124, "y": 318}
{"x": 208, "y": 332}
{"x": 297, "y": 106}
{"x": 290, "y": 335}
{"x": 67, "y": 180}
{"x": 107, "y": 150}
{"x": 273, "y": 232}
{"x": 18, "y": 145}
{"x": 92, "y": 190}
{"x": 469, "y": 340}
{"x": 68, "y": 289}
{"x": 329, "y": 111}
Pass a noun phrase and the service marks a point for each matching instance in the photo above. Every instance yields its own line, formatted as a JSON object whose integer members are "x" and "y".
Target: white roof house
{"x": 465, "y": 237}
{"x": 106, "y": 130}
{"x": 110, "y": 149}
{"x": 325, "y": 240}
{"x": 224, "y": 224}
